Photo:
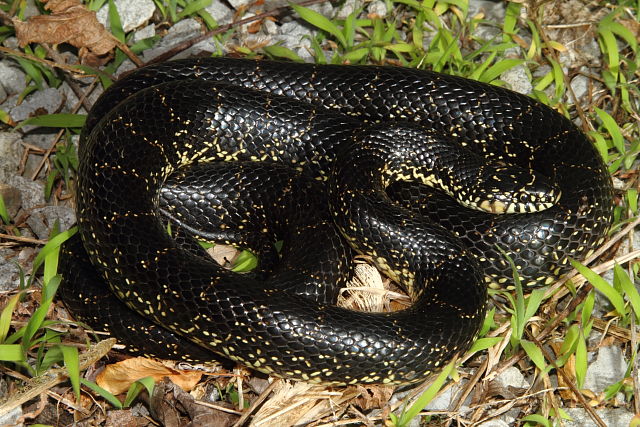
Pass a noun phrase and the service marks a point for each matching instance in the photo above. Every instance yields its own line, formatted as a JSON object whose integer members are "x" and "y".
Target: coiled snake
{"x": 239, "y": 150}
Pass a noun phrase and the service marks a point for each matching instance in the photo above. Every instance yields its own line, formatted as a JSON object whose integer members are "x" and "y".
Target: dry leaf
{"x": 373, "y": 396}
{"x": 223, "y": 254}
{"x": 118, "y": 377}
{"x": 69, "y": 22}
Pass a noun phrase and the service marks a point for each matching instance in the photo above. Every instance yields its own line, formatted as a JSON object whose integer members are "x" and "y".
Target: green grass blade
{"x": 601, "y": 285}
{"x": 11, "y": 353}
{"x": 581, "y": 360}
{"x": 628, "y": 287}
{"x": 5, "y": 317}
{"x": 612, "y": 128}
{"x": 246, "y": 261}
{"x": 115, "y": 23}
{"x": 498, "y": 68}
{"x": 4, "y": 214}
{"x": 193, "y": 7}
{"x": 102, "y": 392}
{"x": 135, "y": 389}
{"x": 58, "y": 120}
{"x": 72, "y": 362}
{"x": 484, "y": 343}
{"x": 52, "y": 245}
{"x": 427, "y": 396}
{"x": 534, "y": 353}
{"x": 277, "y": 51}
{"x": 320, "y": 21}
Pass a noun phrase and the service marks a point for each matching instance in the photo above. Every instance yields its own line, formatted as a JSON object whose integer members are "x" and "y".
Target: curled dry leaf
{"x": 373, "y": 396}
{"x": 118, "y": 377}
{"x": 69, "y": 22}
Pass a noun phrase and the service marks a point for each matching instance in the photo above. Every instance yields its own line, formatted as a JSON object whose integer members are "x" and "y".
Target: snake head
{"x": 512, "y": 189}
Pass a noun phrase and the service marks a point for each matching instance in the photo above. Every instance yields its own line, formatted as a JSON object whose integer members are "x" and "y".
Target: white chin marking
{"x": 496, "y": 207}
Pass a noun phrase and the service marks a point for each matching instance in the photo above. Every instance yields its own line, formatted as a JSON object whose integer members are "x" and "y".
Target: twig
{"x": 75, "y": 109}
{"x": 592, "y": 413}
{"x": 52, "y": 64}
{"x": 190, "y": 42}
{"x": 22, "y": 239}
{"x": 256, "y": 404}
{"x": 42, "y": 383}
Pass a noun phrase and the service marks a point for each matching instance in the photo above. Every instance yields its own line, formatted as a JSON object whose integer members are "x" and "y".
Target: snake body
{"x": 363, "y": 129}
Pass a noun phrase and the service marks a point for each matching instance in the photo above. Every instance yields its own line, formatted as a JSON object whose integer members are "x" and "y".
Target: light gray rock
{"x": 492, "y": 10}
{"x": 11, "y": 417}
{"x": 510, "y": 379}
{"x": 236, "y": 4}
{"x": 10, "y": 150}
{"x": 608, "y": 367}
{"x": 9, "y": 271}
{"x": 181, "y": 31}
{"x": 347, "y": 8}
{"x": 41, "y": 220}
{"x": 378, "y": 8}
{"x": 444, "y": 400}
{"x": 12, "y": 78}
{"x": 3, "y": 94}
{"x": 617, "y": 417}
{"x": 294, "y": 36}
{"x": 518, "y": 79}
{"x": 133, "y": 14}
{"x": 48, "y": 100}
{"x": 220, "y": 12}
{"x": 498, "y": 422}
{"x": 580, "y": 86}
{"x": 31, "y": 192}
{"x": 11, "y": 198}
{"x": 144, "y": 33}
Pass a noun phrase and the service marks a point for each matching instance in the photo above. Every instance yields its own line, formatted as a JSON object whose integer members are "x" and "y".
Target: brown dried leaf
{"x": 223, "y": 254}
{"x": 373, "y": 396}
{"x": 118, "y": 377}
{"x": 69, "y": 22}
{"x": 173, "y": 407}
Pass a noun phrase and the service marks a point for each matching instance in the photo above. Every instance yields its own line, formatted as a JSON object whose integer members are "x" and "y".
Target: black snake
{"x": 238, "y": 150}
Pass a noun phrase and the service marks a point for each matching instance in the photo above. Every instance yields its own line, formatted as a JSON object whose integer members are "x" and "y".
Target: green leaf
{"x": 498, "y": 68}
{"x": 135, "y": 389}
{"x": 4, "y": 214}
{"x": 318, "y": 20}
{"x": 102, "y": 392}
{"x": 601, "y": 285}
{"x": 581, "y": 360}
{"x": 246, "y": 261}
{"x": 11, "y": 353}
{"x": 105, "y": 79}
{"x": 72, "y": 362}
{"x": 277, "y": 51}
{"x": 115, "y": 24}
{"x": 192, "y": 7}
{"x": 427, "y": 396}
{"x": 612, "y": 128}
{"x": 59, "y": 120}
{"x": 534, "y": 353}
{"x": 356, "y": 55}
{"x": 533, "y": 303}
{"x": 5, "y": 317}
{"x": 621, "y": 276}
{"x": 538, "y": 419}
{"x": 52, "y": 245}
{"x": 632, "y": 199}
{"x": 484, "y": 343}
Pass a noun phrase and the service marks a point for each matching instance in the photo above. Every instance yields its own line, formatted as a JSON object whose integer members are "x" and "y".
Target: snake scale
{"x": 248, "y": 152}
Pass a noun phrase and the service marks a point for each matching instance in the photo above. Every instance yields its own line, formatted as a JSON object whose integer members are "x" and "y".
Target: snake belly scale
{"x": 173, "y": 119}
